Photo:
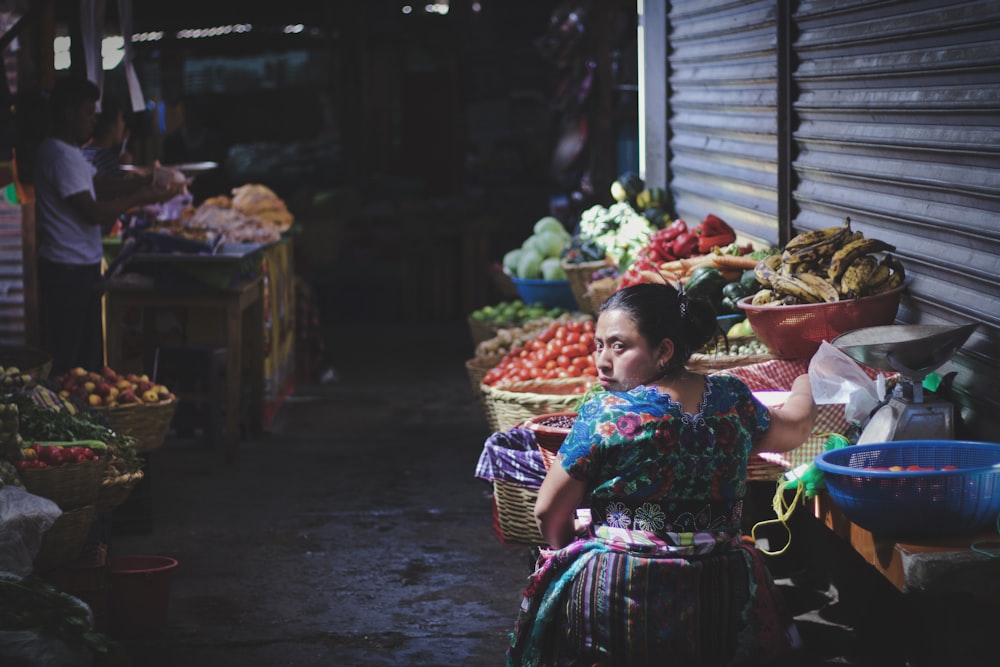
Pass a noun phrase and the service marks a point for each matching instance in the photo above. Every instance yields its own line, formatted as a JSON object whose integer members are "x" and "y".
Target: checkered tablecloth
{"x": 778, "y": 375}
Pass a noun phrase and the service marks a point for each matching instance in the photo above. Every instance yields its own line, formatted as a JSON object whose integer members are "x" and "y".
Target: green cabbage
{"x": 529, "y": 265}
{"x": 552, "y": 269}
{"x": 550, "y": 224}
{"x": 510, "y": 261}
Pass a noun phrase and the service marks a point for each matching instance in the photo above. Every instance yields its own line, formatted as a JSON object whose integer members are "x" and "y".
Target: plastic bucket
{"x": 140, "y": 594}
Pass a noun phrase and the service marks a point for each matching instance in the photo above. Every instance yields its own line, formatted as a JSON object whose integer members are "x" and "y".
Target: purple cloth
{"x": 512, "y": 456}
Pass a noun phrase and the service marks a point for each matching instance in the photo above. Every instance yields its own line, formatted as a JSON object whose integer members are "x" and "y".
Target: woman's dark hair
{"x": 660, "y": 311}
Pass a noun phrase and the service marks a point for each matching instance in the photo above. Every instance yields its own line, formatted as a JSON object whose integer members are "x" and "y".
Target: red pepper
{"x": 671, "y": 231}
{"x": 713, "y": 225}
{"x": 706, "y": 243}
{"x": 685, "y": 244}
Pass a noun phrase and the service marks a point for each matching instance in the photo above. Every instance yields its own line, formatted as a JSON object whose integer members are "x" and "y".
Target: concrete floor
{"x": 354, "y": 533}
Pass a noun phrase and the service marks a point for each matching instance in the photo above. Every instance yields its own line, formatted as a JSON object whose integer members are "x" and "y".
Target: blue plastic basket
{"x": 916, "y": 504}
{"x": 550, "y": 293}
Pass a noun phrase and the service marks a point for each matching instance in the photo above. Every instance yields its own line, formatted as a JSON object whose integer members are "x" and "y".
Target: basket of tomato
{"x": 68, "y": 473}
{"x": 548, "y": 373}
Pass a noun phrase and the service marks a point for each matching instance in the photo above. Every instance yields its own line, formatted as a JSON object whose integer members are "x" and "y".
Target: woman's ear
{"x": 665, "y": 352}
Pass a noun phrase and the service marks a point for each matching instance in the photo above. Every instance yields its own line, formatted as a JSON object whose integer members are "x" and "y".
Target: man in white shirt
{"x": 73, "y": 211}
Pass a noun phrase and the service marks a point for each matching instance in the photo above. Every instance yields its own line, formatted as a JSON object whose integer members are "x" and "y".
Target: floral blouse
{"x": 649, "y": 465}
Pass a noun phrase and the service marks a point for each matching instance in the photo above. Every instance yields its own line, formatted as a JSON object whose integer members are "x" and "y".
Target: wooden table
{"x": 242, "y": 336}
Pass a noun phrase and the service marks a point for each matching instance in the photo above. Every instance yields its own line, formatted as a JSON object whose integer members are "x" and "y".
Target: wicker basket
{"x": 515, "y": 506}
{"x": 148, "y": 424}
{"x": 770, "y": 469}
{"x": 115, "y": 490}
{"x": 36, "y": 363}
{"x": 481, "y": 331}
{"x": 476, "y": 368}
{"x": 579, "y": 275}
{"x": 64, "y": 540}
{"x": 510, "y": 404}
{"x": 709, "y": 363}
{"x": 599, "y": 291}
{"x": 70, "y": 485}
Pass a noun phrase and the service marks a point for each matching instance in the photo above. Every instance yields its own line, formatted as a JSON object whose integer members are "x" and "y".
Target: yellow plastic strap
{"x": 783, "y": 513}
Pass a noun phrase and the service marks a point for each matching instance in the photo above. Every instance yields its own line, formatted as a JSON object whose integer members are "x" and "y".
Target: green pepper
{"x": 734, "y": 291}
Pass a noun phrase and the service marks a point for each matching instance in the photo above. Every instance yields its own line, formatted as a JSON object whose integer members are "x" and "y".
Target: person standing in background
{"x": 73, "y": 210}
{"x": 106, "y": 150}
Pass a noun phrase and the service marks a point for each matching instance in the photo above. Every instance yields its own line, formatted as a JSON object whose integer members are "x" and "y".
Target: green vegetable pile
{"x": 32, "y": 604}
{"x": 514, "y": 313}
{"x": 539, "y": 254}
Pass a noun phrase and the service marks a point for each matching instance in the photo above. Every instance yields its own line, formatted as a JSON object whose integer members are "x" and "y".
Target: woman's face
{"x": 623, "y": 357}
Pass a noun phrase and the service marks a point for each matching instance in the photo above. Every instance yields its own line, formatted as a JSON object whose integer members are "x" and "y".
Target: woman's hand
{"x": 555, "y": 509}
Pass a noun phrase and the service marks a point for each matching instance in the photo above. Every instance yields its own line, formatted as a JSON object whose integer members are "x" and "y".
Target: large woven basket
{"x": 510, "y": 404}
{"x": 70, "y": 485}
{"x": 515, "y": 506}
{"x": 599, "y": 291}
{"x": 476, "y": 368}
{"x": 147, "y": 423}
{"x": 36, "y": 363}
{"x": 579, "y": 275}
{"x": 709, "y": 363}
{"x": 64, "y": 540}
{"x": 115, "y": 490}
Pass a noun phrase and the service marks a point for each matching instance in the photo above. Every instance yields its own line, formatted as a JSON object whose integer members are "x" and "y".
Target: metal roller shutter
{"x": 723, "y": 120}
{"x": 898, "y": 126}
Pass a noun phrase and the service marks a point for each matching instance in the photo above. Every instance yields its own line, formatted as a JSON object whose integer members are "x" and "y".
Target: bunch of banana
{"x": 827, "y": 265}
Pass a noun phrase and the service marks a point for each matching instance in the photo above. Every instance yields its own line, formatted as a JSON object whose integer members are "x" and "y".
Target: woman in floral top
{"x": 662, "y": 575}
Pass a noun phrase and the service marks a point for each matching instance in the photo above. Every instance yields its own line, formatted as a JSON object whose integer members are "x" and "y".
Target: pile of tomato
{"x": 563, "y": 350}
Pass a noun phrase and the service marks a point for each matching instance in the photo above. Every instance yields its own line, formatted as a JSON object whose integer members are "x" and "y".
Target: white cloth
{"x": 64, "y": 235}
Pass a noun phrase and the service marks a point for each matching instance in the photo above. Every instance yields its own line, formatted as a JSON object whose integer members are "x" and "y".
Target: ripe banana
{"x": 763, "y": 297}
{"x": 821, "y": 287}
{"x": 788, "y": 286}
{"x": 844, "y": 257}
{"x": 856, "y": 281}
{"x": 816, "y": 236}
{"x": 767, "y": 269}
{"x": 819, "y": 252}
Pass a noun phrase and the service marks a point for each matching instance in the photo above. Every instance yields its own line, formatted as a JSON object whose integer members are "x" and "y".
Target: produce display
{"x": 540, "y": 253}
{"x": 512, "y": 337}
{"x": 561, "y": 350}
{"x": 827, "y": 265}
{"x": 252, "y": 214}
{"x": 109, "y": 389}
{"x": 44, "y": 455}
{"x": 618, "y": 230}
{"x": 513, "y": 313}
{"x": 12, "y": 378}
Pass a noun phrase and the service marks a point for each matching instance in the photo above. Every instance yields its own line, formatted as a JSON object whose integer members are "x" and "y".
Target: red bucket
{"x": 140, "y": 594}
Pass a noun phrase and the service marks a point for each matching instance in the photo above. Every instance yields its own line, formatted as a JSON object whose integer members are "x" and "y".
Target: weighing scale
{"x": 912, "y": 351}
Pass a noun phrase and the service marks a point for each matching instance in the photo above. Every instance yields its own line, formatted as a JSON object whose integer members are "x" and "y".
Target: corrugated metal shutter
{"x": 12, "y": 325}
{"x": 723, "y": 121}
{"x": 898, "y": 112}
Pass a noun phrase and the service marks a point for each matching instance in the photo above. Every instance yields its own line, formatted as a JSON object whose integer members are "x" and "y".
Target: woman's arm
{"x": 555, "y": 509}
{"x": 792, "y": 423}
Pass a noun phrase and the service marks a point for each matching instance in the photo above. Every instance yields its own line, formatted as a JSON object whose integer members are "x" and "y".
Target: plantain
{"x": 882, "y": 273}
{"x": 856, "y": 281}
{"x": 767, "y": 269}
{"x": 894, "y": 281}
{"x": 844, "y": 257}
{"x": 819, "y": 286}
{"x": 820, "y": 251}
{"x": 788, "y": 286}
{"x": 762, "y": 297}
{"x": 896, "y": 276}
{"x": 806, "y": 239}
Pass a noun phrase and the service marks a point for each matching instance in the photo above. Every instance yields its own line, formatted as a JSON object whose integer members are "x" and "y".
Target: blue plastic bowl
{"x": 916, "y": 504}
{"x": 550, "y": 293}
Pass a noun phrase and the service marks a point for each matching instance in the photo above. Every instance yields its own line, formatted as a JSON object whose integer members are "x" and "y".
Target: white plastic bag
{"x": 24, "y": 518}
{"x": 837, "y": 378}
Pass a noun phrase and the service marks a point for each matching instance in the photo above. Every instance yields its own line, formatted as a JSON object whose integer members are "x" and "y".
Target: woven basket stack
{"x": 75, "y": 488}
{"x": 147, "y": 423}
{"x": 579, "y": 276}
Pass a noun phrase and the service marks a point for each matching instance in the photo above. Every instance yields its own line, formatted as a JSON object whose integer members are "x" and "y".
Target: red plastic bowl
{"x": 795, "y": 332}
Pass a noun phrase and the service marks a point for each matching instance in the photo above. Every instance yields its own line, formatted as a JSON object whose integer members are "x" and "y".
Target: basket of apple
{"x": 129, "y": 403}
